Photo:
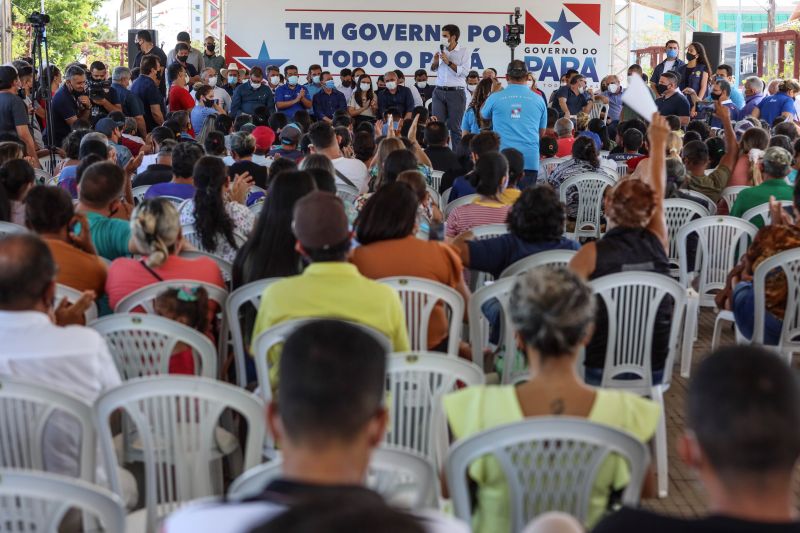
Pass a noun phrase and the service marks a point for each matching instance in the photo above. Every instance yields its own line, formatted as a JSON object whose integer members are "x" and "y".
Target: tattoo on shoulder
{"x": 557, "y": 406}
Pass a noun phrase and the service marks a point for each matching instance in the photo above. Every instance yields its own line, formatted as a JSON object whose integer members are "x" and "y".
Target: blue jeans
{"x": 492, "y": 310}
{"x": 594, "y": 376}
{"x": 744, "y": 313}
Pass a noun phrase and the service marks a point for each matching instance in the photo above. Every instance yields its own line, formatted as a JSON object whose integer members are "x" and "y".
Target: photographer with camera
{"x": 13, "y": 112}
{"x": 70, "y": 103}
{"x": 103, "y": 96}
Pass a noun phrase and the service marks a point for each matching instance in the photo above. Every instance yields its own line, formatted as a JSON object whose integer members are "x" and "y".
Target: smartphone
{"x": 77, "y": 228}
{"x": 436, "y": 231}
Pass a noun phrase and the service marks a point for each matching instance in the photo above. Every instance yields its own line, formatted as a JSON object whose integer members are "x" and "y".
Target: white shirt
{"x": 223, "y": 97}
{"x": 243, "y": 517}
{"x": 355, "y": 170}
{"x": 347, "y": 91}
{"x": 147, "y": 160}
{"x": 74, "y": 359}
{"x": 445, "y": 77}
{"x": 668, "y": 64}
{"x": 415, "y": 95}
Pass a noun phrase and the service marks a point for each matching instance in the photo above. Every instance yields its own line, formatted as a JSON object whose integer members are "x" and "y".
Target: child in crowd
{"x": 188, "y": 306}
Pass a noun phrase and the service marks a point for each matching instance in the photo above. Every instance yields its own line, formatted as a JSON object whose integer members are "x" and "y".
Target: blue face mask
{"x": 292, "y": 80}
{"x": 330, "y": 84}
{"x": 233, "y": 79}
{"x": 792, "y": 176}
{"x": 672, "y": 53}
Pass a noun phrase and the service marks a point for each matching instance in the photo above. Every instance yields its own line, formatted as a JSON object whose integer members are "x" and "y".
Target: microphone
{"x": 441, "y": 48}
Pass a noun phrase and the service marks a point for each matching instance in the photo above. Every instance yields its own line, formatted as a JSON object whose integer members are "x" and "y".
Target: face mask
{"x": 346, "y": 83}
{"x": 563, "y": 84}
{"x": 613, "y": 88}
{"x": 529, "y": 83}
{"x": 255, "y": 85}
{"x": 292, "y": 80}
{"x": 672, "y": 53}
{"x": 471, "y": 87}
{"x": 183, "y": 59}
{"x": 446, "y": 43}
{"x": 721, "y": 78}
{"x": 232, "y": 79}
{"x": 209, "y": 103}
{"x": 391, "y": 85}
{"x": 715, "y": 96}
{"x": 365, "y": 86}
{"x": 212, "y": 81}
{"x": 210, "y": 47}
{"x": 315, "y": 80}
{"x": 275, "y": 80}
{"x": 330, "y": 84}
{"x": 422, "y": 84}
{"x": 581, "y": 90}
{"x": 662, "y": 88}
{"x": 690, "y": 57}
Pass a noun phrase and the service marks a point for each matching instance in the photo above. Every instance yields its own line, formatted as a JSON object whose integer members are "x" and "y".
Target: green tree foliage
{"x": 72, "y": 33}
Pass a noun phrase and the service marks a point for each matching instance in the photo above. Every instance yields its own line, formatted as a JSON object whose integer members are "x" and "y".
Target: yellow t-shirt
{"x": 510, "y": 195}
{"x": 475, "y": 409}
{"x": 331, "y": 290}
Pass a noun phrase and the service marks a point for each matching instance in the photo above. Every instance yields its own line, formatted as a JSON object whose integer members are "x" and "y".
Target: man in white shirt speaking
{"x": 451, "y": 64}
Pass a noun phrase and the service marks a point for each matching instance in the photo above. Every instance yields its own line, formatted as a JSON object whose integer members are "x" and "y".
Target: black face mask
{"x": 209, "y": 103}
{"x": 182, "y": 59}
{"x": 211, "y": 47}
{"x": 662, "y": 88}
{"x": 138, "y": 47}
{"x": 715, "y": 96}
{"x": 690, "y": 57}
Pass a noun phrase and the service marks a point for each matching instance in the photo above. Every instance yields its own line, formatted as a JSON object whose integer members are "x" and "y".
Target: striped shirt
{"x": 478, "y": 213}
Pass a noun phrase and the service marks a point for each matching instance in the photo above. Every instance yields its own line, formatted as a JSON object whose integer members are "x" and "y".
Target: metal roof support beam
{"x": 621, "y": 43}
{"x": 691, "y": 20}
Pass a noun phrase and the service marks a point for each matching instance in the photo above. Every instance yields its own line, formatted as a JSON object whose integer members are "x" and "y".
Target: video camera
{"x": 38, "y": 19}
{"x": 514, "y": 30}
{"x": 97, "y": 89}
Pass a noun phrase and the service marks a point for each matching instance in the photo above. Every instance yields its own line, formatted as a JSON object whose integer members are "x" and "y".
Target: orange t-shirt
{"x": 414, "y": 257}
{"x": 78, "y": 269}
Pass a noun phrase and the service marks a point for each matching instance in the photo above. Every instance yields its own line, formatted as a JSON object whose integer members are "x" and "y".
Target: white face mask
{"x": 471, "y": 87}
{"x": 275, "y": 80}
{"x": 422, "y": 84}
{"x": 613, "y": 88}
{"x": 292, "y": 80}
{"x": 563, "y": 84}
{"x": 365, "y": 86}
{"x": 255, "y": 85}
{"x": 212, "y": 81}
{"x": 582, "y": 90}
{"x": 529, "y": 83}
{"x": 391, "y": 85}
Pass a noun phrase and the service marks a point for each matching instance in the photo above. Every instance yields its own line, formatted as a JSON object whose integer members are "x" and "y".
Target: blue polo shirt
{"x": 64, "y": 106}
{"x": 312, "y": 89}
{"x": 199, "y": 115}
{"x": 325, "y": 105}
{"x": 286, "y": 93}
{"x": 517, "y": 115}
{"x": 575, "y": 102}
{"x": 145, "y": 88}
{"x": 771, "y": 107}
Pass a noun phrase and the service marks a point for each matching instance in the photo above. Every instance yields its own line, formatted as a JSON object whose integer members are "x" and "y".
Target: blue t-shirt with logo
{"x": 771, "y": 107}
{"x": 517, "y": 115}
{"x": 285, "y": 93}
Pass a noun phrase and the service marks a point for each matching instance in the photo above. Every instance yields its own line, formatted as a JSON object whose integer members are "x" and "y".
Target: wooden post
{"x": 781, "y": 57}
{"x": 760, "y": 57}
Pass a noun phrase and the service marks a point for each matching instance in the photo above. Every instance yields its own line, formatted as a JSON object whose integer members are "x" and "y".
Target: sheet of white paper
{"x": 639, "y": 98}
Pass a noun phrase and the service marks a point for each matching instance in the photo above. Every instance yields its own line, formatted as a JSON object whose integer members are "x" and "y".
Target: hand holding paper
{"x": 639, "y": 98}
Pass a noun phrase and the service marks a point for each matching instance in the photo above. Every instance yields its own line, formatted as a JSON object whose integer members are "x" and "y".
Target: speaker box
{"x": 713, "y": 45}
{"x": 132, "y": 50}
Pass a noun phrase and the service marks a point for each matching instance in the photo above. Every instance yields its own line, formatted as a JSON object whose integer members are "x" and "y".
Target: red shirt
{"x": 565, "y": 146}
{"x": 180, "y": 99}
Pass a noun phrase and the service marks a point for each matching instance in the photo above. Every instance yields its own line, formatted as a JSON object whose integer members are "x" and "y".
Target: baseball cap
{"x": 775, "y": 155}
{"x": 741, "y": 127}
{"x": 106, "y": 126}
{"x": 290, "y": 134}
{"x": 265, "y": 137}
{"x": 320, "y": 221}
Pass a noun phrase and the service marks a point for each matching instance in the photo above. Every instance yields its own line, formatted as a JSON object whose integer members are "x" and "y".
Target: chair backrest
{"x": 33, "y": 418}
{"x": 347, "y": 193}
{"x": 49, "y": 166}
{"x": 549, "y": 165}
{"x": 436, "y": 178}
{"x": 632, "y": 300}
{"x": 246, "y": 294}
{"x": 591, "y": 186}
{"x": 256, "y": 208}
{"x": 225, "y": 266}
{"x": 191, "y": 236}
{"x": 43, "y": 177}
{"x": 436, "y": 198}
{"x": 139, "y": 192}
{"x": 622, "y": 168}
{"x": 709, "y": 204}
{"x": 763, "y": 212}
{"x": 550, "y": 258}
{"x": 277, "y": 335}
{"x": 550, "y": 464}
{"x": 144, "y": 299}
{"x": 420, "y": 297}
{"x": 416, "y": 383}
{"x": 479, "y": 325}
{"x": 678, "y": 212}
{"x": 176, "y": 420}
{"x": 789, "y": 262}
{"x": 36, "y": 501}
{"x": 143, "y": 344}
{"x": 729, "y": 194}
{"x": 403, "y": 478}
{"x": 9, "y": 228}
{"x": 72, "y": 296}
{"x": 458, "y": 202}
{"x": 486, "y": 231}
{"x": 599, "y": 109}
{"x": 445, "y": 198}
{"x": 721, "y": 239}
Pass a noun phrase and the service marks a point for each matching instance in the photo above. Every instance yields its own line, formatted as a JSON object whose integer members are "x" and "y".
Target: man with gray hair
{"x": 243, "y": 146}
{"x": 132, "y": 106}
{"x": 209, "y": 77}
{"x": 563, "y": 128}
{"x": 753, "y": 94}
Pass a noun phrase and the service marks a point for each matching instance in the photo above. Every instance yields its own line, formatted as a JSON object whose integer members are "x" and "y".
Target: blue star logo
{"x": 562, "y": 28}
{"x": 263, "y": 60}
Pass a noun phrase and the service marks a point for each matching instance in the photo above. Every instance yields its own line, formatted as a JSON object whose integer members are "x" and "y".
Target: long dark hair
{"x": 269, "y": 252}
{"x": 702, "y": 57}
{"x": 210, "y": 217}
{"x": 482, "y": 92}
{"x": 390, "y": 213}
{"x": 584, "y": 149}
{"x": 358, "y": 93}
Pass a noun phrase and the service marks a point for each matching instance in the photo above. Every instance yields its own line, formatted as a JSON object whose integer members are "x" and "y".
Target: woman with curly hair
{"x": 472, "y": 121}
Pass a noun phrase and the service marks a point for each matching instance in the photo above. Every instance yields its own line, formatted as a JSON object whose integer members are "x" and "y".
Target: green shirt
{"x": 710, "y": 185}
{"x": 109, "y": 235}
{"x": 755, "y": 196}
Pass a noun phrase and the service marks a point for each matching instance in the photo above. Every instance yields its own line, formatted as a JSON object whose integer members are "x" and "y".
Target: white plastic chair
{"x": 436, "y": 179}
{"x": 9, "y": 228}
{"x": 256, "y": 208}
{"x": 138, "y": 193}
{"x": 416, "y": 383}
{"x": 403, "y": 478}
{"x": 550, "y": 464}
{"x": 479, "y": 326}
{"x": 622, "y": 168}
{"x": 591, "y": 186}
{"x": 486, "y": 231}
{"x": 789, "y": 262}
{"x": 347, "y": 193}
{"x": 32, "y": 413}
{"x": 632, "y": 300}
{"x": 709, "y": 204}
{"x": 145, "y": 297}
{"x": 278, "y": 334}
{"x": 420, "y": 297}
{"x": 599, "y": 109}
{"x": 46, "y": 164}
{"x": 678, "y": 212}
{"x": 458, "y": 202}
{"x": 191, "y": 236}
{"x": 549, "y": 258}
{"x": 37, "y": 501}
{"x": 72, "y": 296}
{"x": 763, "y": 212}
{"x": 729, "y": 194}
{"x": 176, "y": 420}
{"x": 246, "y": 294}
{"x": 142, "y": 344}
{"x": 42, "y": 177}
{"x": 444, "y": 199}
{"x": 549, "y": 165}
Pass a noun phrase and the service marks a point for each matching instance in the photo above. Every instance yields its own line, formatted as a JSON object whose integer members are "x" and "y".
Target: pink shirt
{"x": 741, "y": 172}
{"x": 480, "y": 213}
{"x": 128, "y": 275}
